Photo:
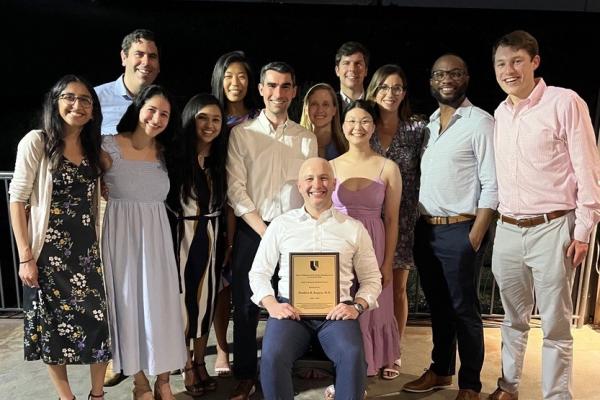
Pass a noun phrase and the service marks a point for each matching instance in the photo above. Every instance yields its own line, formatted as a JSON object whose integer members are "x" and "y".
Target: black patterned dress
{"x": 405, "y": 150}
{"x": 66, "y": 318}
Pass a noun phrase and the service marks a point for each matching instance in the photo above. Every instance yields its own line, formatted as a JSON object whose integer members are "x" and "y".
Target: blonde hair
{"x": 336, "y": 126}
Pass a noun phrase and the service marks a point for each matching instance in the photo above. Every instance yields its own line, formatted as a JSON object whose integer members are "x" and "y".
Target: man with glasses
{"x": 351, "y": 66}
{"x": 139, "y": 56}
{"x": 548, "y": 187}
{"x": 457, "y": 199}
{"x": 263, "y": 161}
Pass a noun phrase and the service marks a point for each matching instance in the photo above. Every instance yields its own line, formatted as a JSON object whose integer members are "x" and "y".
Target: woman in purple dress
{"x": 399, "y": 137}
{"x": 367, "y": 187}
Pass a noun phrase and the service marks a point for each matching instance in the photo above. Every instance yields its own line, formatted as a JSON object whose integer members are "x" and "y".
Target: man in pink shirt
{"x": 548, "y": 187}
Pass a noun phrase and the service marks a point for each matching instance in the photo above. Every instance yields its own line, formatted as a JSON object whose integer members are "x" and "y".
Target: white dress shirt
{"x": 458, "y": 174}
{"x": 297, "y": 231}
{"x": 263, "y": 165}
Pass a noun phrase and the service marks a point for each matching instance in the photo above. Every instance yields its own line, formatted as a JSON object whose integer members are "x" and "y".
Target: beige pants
{"x": 528, "y": 262}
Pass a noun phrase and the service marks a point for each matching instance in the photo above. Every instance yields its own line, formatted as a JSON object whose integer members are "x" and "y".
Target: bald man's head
{"x": 316, "y": 184}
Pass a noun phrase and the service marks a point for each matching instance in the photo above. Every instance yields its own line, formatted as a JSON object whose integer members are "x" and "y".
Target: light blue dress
{"x": 142, "y": 283}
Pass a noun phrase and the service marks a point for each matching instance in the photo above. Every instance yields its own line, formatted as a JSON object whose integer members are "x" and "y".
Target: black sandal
{"x": 94, "y": 396}
{"x": 196, "y": 389}
{"x": 208, "y": 383}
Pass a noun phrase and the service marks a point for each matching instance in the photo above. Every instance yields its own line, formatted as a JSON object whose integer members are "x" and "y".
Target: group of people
{"x": 204, "y": 208}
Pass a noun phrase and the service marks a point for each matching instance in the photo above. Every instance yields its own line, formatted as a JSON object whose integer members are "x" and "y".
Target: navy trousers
{"x": 287, "y": 340}
{"x": 448, "y": 271}
{"x": 245, "y": 312}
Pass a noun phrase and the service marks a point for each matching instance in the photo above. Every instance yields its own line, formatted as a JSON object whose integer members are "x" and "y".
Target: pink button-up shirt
{"x": 546, "y": 157}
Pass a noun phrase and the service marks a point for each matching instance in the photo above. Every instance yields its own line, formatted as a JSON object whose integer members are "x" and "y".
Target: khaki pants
{"x": 527, "y": 262}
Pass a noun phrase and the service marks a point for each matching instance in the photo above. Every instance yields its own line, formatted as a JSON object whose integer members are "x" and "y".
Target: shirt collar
{"x": 534, "y": 97}
{"x": 262, "y": 118}
{"x": 120, "y": 88}
{"x": 464, "y": 109}
{"x": 325, "y": 215}
{"x": 348, "y": 100}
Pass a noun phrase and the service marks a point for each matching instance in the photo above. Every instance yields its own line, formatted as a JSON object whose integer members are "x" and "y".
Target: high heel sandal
{"x": 95, "y": 396}
{"x": 195, "y": 389}
{"x": 140, "y": 390}
{"x": 207, "y": 382}
{"x": 157, "y": 384}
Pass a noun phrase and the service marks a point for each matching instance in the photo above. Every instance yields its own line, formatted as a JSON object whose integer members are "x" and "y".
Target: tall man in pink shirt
{"x": 548, "y": 186}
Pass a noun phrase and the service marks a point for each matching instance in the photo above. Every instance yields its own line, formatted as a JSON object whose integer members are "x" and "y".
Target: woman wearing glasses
{"x": 399, "y": 137}
{"x": 367, "y": 187}
{"x": 57, "y": 173}
{"x": 137, "y": 247}
{"x": 320, "y": 116}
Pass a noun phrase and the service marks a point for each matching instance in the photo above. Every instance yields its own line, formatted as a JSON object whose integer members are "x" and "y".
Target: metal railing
{"x": 11, "y": 295}
{"x": 10, "y": 285}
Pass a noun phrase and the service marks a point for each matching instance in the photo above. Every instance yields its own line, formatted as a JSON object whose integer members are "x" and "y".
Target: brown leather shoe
{"x": 467, "y": 394}
{"x": 500, "y": 394}
{"x": 428, "y": 382}
{"x": 244, "y": 390}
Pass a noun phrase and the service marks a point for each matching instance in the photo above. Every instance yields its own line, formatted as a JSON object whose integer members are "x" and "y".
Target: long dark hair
{"x": 218, "y": 75}
{"x": 185, "y": 163}
{"x": 130, "y": 119}
{"x": 53, "y": 126}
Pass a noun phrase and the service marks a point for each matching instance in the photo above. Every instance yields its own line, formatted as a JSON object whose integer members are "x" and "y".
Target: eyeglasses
{"x": 365, "y": 123}
{"x": 396, "y": 89}
{"x": 455, "y": 74}
{"x": 70, "y": 99}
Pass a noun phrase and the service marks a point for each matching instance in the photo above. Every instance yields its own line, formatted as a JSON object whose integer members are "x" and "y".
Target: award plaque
{"x": 314, "y": 283}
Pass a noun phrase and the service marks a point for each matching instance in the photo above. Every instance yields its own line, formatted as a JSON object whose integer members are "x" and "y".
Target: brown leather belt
{"x": 534, "y": 221}
{"x": 447, "y": 220}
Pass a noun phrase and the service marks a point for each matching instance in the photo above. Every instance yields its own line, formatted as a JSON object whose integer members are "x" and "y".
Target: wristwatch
{"x": 359, "y": 307}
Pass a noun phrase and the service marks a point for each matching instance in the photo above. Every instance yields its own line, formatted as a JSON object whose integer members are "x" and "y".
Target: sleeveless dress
{"x": 405, "y": 150}
{"x": 379, "y": 329}
{"x": 66, "y": 318}
{"x": 200, "y": 253}
{"x": 141, "y": 275}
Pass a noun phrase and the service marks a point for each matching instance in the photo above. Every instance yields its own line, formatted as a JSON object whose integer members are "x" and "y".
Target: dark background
{"x": 44, "y": 40}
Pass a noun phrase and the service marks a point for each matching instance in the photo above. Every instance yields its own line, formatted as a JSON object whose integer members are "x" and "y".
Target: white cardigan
{"x": 32, "y": 181}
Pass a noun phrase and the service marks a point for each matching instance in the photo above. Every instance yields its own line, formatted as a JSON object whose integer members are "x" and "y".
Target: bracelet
{"x": 25, "y": 262}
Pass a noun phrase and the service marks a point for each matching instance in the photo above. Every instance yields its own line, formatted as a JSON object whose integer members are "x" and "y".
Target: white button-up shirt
{"x": 297, "y": 231}
{"x": 458, "y": 174}
{"x": 263, "y": 165}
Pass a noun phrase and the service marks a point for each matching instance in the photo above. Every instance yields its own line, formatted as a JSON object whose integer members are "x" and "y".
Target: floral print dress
{"x": 405, "y": 150}
{"x": 66, "y": 317}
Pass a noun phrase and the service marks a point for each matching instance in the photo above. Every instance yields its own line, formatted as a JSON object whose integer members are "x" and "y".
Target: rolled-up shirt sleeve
{"x": 483, "y": 146}
{"x": 586, "y": 166}
{"x": 237, "y": 177}
{"x": 367, "y": 269}
{"x": 263, "y": 266}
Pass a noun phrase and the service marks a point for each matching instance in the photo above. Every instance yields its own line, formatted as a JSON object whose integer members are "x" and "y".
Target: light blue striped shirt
{"x": 458, "y": 174}
{"x": 114, "y": 100}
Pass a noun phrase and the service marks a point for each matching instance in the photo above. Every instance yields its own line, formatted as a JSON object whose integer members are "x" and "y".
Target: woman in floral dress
{"x": 56, "y": 173}
{"x": 399, "y": 137}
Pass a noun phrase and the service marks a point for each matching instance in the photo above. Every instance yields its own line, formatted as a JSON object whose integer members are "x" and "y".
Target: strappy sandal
{"x": 206, "y": 381}
{"x": 196, "y": 389}
{"x": 94, "y": 396}
{"x": 157, "y": 384}
{"x": 140, "y": 390}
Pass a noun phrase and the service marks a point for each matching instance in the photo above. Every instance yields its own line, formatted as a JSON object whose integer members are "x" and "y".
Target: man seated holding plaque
{"x": 319, "y": 250}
